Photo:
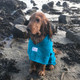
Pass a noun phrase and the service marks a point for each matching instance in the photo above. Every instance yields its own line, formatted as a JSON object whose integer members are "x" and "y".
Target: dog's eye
{"x": 37, "y": 20}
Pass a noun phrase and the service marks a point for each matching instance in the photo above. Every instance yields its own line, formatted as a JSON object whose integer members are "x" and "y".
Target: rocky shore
{"x": 65, "y": 19}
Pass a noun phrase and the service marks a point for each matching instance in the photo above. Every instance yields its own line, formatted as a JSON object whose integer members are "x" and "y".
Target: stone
{"x": 20, "y": 20}
{"x": 58, "y": 3}
{"x": 19, "y": 31}
{"x": 11, "y": 5}
{"x": 36, "y": 8}
{"x": 45, "y": 7}
{"x": 51, "y": 4}
{"x": 30, "y": 11}
{"x": 54, "y": 11}
{"x": 64, "y": 19}
{"x": 74, "y": 34}
{"x": 17, "y": 13}
{"x": 65, "y": 5}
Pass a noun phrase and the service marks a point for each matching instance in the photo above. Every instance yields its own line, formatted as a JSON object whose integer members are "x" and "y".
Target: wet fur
{"x": 45, "y": 29}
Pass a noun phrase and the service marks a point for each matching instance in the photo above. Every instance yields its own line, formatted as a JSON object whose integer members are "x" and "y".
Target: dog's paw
{"x": 41, "y": 73}
{"x": 51, "y": 67}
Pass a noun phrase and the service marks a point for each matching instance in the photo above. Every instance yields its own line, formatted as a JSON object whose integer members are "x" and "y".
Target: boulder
{"x": 36, "y": 8}
{"x": 17, "y": 13}
{"x": 51, "y": 4}
{"x": 33, "y": 2}
{"x": 30, "y": 11}
{"x": 77, "y": 1}
{"x": 64, "y": 19}
{"x": 58, "y": 3}
{"x": 20, "y": 20}
{"x": 76, "y": 21}
{"x": 54, "y": 11}
{"x": 65, "y": 5}
{"x": 11, "y": 5}
{"x": 74, "y": 34}
{"x": 19, "y": 31}
{"x": 45, "y": 7}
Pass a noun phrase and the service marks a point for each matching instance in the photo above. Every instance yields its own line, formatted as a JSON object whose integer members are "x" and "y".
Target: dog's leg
{"x": 33, "y": 66}
{"x": 42, "y": 72}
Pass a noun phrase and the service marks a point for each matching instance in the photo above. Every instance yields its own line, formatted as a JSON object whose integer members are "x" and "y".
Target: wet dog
{"x": 40, "y": 47}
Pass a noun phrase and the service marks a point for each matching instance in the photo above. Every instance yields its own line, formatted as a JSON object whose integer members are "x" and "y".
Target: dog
{"x": 40, "y": 49}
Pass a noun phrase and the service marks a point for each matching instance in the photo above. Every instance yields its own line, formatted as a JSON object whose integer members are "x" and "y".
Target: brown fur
{"x": 38, "y": 28}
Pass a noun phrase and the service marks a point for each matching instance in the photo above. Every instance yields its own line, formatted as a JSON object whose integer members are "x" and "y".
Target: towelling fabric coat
{"x": 42, "y": 52}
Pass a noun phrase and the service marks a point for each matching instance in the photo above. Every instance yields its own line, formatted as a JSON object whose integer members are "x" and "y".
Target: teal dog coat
{"x": 42, "y": 52}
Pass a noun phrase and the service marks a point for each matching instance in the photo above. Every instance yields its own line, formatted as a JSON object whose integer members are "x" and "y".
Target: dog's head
{"x": 39, "y": 25}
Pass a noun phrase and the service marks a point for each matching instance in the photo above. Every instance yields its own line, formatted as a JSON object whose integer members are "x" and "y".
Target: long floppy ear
{"x": 50, "y": 33}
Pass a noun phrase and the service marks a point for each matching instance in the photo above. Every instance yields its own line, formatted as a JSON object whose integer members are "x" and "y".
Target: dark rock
{"x": 58, "y": 3}
{"x": 64, "y": 19}
{"x": 76, "y": 21}
{"x": 54, "y": 28}
{"x": 1, "y": 44}
{"x": 19, "y": 31}
{"x": 26, "y": 22}
{"x": 77, "y": 1}
{"x": 17, "y": 13}
{"x": 54, "y": 11}
{"x": 11, "y": 5}
{"x": 1, "y": 55}
{"x": 67, "y": 10}
{"x": 65, "y": 5}
{"x": 20, "y": 20}
{"x": 71, "y": 50}
{"x": 75, "y": 10}
{"x": 9, "y": 11}
{"x": 51, "y": 4}
{"x": 6, "y": 68}
{"x": 22, "y": 5}
{"x": 34, "y": 4}
{"x": 74, "y": 34}
{"x": 45, "y": 7}
{"x": 30, "y": 11}
{"x": 36, "y": 8}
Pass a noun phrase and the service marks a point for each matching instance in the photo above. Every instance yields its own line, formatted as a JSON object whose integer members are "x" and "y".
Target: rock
{"x": 10, "y": 10}
{"x": 54, "y": 11}
{"x": 74, "y": 34}
{"x": 58, "y": 3}
{"x": 64, "y": 19}
{"x": 36, "y": 8}
{"x": 22, "y": 5}
{"x": 34, "y": 4}
{"x": 17, "y": 13}
{"x": 1, "y": 55}
{"x": 65, "y": 5}
{"x": 26, "y": 22}
{"x": 6, "y": 68}
{"x": 30, "y": 11}
{"x": 11, "y": 5}
{"x": 45, "y": 7}
{"x": 77, "y": 1}
{"x": 54, "y": 28}
{"x": 20, "y": 20}
{"x": 51, "y": 4}
{"x": 19, "y": 31}
{"x": 76, "y": 21}
{"x": 75, "y": 10}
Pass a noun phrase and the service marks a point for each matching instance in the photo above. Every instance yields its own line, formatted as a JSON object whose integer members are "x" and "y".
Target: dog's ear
{"x": 50, "y": 33}
{"x": 44, "y": 27}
